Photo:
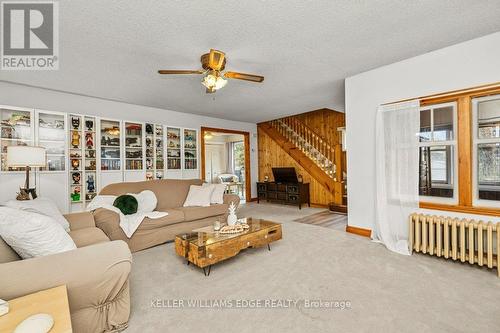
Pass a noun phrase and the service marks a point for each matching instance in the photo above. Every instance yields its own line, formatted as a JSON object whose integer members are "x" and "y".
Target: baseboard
{"x": 358, "y": 231}
{"x": 317, "y": 205}
{"x": 253, "y": 199}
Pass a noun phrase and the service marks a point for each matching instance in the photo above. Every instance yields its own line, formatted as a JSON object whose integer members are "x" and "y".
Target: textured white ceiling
{"x": 305, "y": 49}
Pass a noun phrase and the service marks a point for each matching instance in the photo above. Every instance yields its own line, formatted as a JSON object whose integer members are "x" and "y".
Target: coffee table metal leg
{"x": 207, "y": 271}
{"x": 269, "y": 247}
{"x": 187, "y": 262}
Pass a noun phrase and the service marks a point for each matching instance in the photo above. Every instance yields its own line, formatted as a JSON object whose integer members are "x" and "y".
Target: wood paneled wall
{"x": 325, "y": 123}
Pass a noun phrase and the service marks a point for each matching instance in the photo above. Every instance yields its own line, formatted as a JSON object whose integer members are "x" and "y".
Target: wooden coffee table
{"x": 205, "y": 247}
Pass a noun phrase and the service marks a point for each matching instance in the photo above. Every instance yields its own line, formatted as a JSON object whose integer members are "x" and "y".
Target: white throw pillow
{"x": 146, "y": 201}
{"x": 217, "y": 194}
{"x": 198, "y": 196}
{"x": 42, "y": 206}
{"x": 32, "y": 234}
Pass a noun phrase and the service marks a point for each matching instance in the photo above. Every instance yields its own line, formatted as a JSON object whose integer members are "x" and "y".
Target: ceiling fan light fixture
{"x": 213, "y": 81}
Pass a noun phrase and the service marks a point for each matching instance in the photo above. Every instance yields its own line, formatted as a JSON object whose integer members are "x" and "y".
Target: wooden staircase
{"x": 315, "y": 154}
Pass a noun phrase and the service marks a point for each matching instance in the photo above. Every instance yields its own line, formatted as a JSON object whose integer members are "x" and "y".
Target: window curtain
{"x": 230, "y": 157}
{"x": 397, "y": 165}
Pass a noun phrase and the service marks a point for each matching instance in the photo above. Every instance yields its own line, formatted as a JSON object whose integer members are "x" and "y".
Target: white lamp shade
{"x": 23, "y": 156}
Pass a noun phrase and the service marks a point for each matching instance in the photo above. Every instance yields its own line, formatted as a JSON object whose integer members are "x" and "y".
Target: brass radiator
{"x": 475, "y": 242}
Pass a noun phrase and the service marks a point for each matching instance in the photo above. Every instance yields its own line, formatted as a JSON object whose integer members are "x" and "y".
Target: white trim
{"x": 475, "y": 142}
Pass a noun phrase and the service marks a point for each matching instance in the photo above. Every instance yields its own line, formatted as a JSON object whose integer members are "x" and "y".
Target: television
{"x": 285, "y": 175}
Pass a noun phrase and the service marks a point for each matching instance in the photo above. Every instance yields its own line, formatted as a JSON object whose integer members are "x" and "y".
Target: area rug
{"x": 314, "y": 280}
{"x": 326, "y": 219}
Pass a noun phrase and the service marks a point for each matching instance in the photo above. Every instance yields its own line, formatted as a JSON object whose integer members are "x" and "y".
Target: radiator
{"x": 475, "y": 242}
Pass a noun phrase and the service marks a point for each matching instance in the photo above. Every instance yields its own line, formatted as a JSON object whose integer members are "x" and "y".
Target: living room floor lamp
{"x": 26, "y": 157}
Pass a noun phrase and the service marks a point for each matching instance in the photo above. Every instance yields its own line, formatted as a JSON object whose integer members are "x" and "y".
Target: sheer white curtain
{"x": 397, "y": 128}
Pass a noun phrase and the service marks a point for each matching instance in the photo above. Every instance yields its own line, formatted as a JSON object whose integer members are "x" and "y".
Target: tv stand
{"x": 285, "y": 193}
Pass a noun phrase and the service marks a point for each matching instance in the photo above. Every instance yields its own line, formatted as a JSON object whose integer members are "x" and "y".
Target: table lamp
{"x": 26, "y": 157}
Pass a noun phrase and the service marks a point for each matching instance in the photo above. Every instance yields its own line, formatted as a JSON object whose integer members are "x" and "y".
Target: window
{"x": 437, "y": 147}
{"x": 486, "y": 151}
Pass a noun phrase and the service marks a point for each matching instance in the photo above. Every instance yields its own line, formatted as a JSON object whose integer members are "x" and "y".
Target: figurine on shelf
{"x": 149, "y": 129}
{"x": 89, "y": 140}
{"x": 76, "y": 178}
{"x": 89, "y": 124}
{"x": 75, "y": 154}
{"x": 149, "y": 164}
{"x": 148, "y": 142}
{"x": 75, "y": 122}
{"x": 75, "y": 196}
{"x": 90, "y": 153}
{"x": 149, "y": 176}
{"x": 75, "y": 139}
{"x": 90, "y": 183}
{"x": 75, "y": 164}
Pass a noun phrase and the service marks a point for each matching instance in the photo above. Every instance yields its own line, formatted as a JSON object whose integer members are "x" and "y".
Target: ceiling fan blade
{"x": 216, "y": 59}
{"x": 243, "y": 76}
{"x": 175, "y": 71}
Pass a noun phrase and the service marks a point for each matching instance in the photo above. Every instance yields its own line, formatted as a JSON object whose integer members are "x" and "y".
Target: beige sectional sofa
{"x": 171, "y": 194}
{"x": 96, "y": 275}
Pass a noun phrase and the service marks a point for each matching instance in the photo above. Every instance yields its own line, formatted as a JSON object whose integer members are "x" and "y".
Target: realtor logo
{"x": 30, "y": 35}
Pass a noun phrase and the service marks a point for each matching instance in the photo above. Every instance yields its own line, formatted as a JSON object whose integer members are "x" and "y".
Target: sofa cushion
{"x": 174, "y": 216}
{"x": 197, "y": 213}
{"x": 170, "y": 193}
{"x": 88, "y": 236}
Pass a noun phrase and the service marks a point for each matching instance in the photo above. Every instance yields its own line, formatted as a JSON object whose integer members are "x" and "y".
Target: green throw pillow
{"x": 127, "y": 204}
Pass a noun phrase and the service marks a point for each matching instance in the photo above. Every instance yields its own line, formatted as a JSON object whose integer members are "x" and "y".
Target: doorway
{"x": 225, "y": 159}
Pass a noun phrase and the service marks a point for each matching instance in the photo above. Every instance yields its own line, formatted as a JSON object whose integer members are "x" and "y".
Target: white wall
{"x": 30, "y": 97}
{"x": 460, "y": 66}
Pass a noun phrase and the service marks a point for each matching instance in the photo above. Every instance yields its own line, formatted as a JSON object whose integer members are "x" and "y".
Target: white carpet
{"x": 387, "y": 292}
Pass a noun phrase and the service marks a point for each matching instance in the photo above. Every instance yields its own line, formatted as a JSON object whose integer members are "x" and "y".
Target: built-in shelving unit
{"x": 86, "y": 153}
{"x": 190, "y": 149}
{"x": 110, "y": 145}
{"x": 134, "y": 156}
{"x": 174, "y": 157}
{"x": 82, "y": 160}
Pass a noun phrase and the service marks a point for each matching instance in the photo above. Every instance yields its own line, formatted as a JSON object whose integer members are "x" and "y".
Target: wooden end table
{"x": 204, "y": 247}
{"x": 52, "y": 301}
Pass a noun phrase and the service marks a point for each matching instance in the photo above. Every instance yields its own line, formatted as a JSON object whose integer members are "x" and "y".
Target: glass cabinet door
{"x": 75, "y": 157}
{"x": 159, "y": 161}
{"x": 15, "y": 130}
{"x": 133, "y": 146}
{"x": 150, "y": 140}
{"x": 173, "y": 148}
{"x": 90, "y": 158}
{"x": 52, "y": 136}
{"x": 110, "y": 145}
{"x": 190, "y": 149}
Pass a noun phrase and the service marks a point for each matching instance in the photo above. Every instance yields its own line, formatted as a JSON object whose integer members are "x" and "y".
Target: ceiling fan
{"x": 213, "y": 64}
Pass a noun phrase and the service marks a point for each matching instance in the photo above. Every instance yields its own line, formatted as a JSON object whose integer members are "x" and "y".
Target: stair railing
{"x": 310, "y": 143}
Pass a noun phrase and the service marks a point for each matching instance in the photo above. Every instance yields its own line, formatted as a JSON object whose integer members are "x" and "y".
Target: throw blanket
{"x": 129, "y": 223}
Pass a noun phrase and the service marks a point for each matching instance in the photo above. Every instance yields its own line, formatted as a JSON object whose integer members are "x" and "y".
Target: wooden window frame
{"x": 464, "y": 132}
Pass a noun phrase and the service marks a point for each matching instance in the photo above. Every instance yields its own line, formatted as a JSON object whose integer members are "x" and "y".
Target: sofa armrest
{"x": 228, "y": 198}
{"x": 80, "y": 220}
{"x": 93, "y": 275}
